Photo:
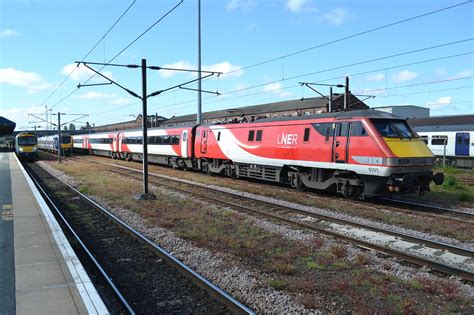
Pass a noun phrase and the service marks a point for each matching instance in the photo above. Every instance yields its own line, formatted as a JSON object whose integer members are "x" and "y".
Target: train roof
{"x": 25, "y": 134}
{"x": 365, "y": 113}
{"x": 452, "y": 128}
{"x": 443, "y": 123}
{"x": 135, "y": 130}
{"x": 56, "y": 135}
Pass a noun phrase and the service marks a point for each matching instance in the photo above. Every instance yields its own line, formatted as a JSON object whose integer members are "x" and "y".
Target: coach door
{"x": 462, "y": 144}
{"x": 204, "y": 141}
{"x": 184, "y": 144}
{"x": 115, "y": 144}
{"x": 341, "y": 141}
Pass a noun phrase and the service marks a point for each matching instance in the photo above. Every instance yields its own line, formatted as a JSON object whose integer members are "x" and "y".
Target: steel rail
{"x": 430, "y": 207}
{"x": 440, "y": 267}
{"x": 84, "y": 247}
{"x": 403, "y": 202}
{"x": 434, "y": 244}
{"x": 234, "y": 305}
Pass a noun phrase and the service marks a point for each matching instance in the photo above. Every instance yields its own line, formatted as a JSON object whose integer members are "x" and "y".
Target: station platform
{"x": 39, "y": 271}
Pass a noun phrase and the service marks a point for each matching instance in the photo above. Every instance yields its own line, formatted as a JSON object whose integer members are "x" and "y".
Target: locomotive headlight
{"x": 21, "y": 149}
{"x": 35, "y": 149}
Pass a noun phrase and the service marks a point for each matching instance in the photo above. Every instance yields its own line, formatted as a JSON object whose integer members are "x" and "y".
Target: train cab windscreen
{"x": 27, "y": 140}
{"x": 66, "y": 139}
{"x": 392, "y": 128}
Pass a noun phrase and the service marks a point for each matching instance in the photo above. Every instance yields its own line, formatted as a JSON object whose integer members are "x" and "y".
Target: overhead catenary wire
{"x": 356, "y": 92}
{"x": 298, "y": 85}
{"x": 136, "y": 39}
{"x": 427, "y": 91}
{"x": 349, "y": 37}
{"x": 303, "y": 50}
{"x": 88, "y": 53}
{"x": 122, "y": 51}
{"x": 354, "y": 64}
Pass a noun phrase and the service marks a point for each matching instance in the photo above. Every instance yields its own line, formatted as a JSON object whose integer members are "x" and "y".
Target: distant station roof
{"x": 6, "y": 126}
{"x": 444, "y": 123}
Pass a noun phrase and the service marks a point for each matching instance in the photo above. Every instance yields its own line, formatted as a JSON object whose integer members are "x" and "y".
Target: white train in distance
{"x": 455, "y": 147}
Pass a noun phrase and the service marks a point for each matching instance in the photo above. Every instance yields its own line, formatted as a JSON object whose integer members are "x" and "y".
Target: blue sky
{"x": 40, "y": 40}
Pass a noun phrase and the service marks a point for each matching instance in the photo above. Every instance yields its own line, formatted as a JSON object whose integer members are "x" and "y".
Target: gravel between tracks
{"x": 237, "y": 278}
{"x": 434, "y": 237}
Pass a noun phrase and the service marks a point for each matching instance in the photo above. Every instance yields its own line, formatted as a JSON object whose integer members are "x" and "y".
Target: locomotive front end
{"x": 410, "y": 162}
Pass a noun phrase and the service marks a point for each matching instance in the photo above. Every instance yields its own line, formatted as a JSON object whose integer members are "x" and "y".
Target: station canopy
{"x": 6, "y": 127}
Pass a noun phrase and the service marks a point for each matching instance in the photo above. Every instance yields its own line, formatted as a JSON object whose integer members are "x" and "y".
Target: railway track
{"x": 431, "y": 210}
{"x": 441, "y": 257}
{"x": 146, "y": 278}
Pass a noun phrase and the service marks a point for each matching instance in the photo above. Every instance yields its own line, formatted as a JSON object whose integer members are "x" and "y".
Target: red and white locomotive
{"x": 365, "y": 152}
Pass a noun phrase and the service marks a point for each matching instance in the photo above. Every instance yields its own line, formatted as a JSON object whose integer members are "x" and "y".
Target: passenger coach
{"x": 357, "y": 153}
{"x": 50, "y": 143}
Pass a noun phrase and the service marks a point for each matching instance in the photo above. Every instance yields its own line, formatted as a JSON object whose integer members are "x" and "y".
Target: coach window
{"x": 219, "y": 136}
{"x": 175, "y": 140}
{"x": 344, "y": 130}
{"x": 251, "y": 135}
{"x": 166, "y": 140}
{"x": 439, "y": 140}
{"x": 259, "y": 135}
{"x": 425, "y": 139}
{"x": 357, "y": 129}
{"x": 306, "y": 134}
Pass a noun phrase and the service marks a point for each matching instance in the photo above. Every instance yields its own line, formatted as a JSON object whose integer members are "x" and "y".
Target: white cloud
{"x": 376, "y": 77}
{"x": 239, "y": 4}
{"x": 276, "y": 88}
{"x": 182, "y": 64}
{"x": 224, "y": 67}
{"x": 298, "y": 6}
{"x": 96, "y": 95}
{"x": 31, "y": 81}
{"x": 462, "y": 74}
{"x": 403, "y": 76}
{"x": 440, "y": 102}
{"x": 20, "y": 116}
{"x": 82, "y": 73}
{"x": 229, "y": 70}
{"x": 121, "y": 101}
{"x": 336, "y": 16}
{"x": 9, "y": 33}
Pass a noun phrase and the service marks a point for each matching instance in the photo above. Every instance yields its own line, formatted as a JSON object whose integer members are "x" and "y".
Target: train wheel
{"x": 296, "y": 182}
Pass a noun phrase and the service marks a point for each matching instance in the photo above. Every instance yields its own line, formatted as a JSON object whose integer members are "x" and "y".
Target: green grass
{"x": 277, "y": 284}
{"x": 453, "y": 190}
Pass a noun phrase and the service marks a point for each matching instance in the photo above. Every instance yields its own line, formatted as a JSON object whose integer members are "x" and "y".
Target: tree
{"x": 72, "y": 127}
{"x": 65, "y": 128}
